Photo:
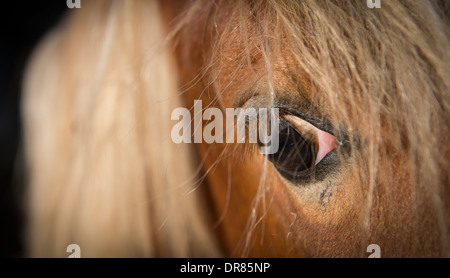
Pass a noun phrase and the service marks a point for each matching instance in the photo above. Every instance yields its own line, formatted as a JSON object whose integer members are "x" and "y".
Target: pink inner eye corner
{"x": 326, "y": 141}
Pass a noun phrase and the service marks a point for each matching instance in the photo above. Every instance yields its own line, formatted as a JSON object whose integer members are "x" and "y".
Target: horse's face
{"x": 332, "y": 208}
{"x": 363, "y": 151}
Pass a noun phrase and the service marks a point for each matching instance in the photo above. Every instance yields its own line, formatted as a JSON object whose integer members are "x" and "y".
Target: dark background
{"x": 22, "y": 25}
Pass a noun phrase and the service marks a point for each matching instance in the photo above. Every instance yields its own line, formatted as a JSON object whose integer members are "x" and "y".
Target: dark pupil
{"x": 295, "y": 154}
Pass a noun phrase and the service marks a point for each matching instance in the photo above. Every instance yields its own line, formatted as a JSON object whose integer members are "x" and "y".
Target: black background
{"x": 22, "y": 25}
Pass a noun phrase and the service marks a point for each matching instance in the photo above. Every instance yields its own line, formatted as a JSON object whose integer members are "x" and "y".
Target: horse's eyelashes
{"x": 301, "y": 147}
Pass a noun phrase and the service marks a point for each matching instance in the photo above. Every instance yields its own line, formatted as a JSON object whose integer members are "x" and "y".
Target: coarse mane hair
{"x": 104, "y": 172}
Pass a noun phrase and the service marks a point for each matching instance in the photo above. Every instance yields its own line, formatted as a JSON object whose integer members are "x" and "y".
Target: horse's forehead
{"x": 241, "y": 64}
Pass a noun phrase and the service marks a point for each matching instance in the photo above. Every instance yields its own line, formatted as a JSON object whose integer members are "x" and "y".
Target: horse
{"x": 364, "y": 108}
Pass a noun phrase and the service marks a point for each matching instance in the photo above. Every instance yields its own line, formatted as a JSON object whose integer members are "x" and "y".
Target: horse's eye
{"x": 301, "y": 147}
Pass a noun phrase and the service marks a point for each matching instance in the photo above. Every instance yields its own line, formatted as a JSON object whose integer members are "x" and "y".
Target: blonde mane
{"x": 104, "y": 173}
